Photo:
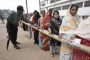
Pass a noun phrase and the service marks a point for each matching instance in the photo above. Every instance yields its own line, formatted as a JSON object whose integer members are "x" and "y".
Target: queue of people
{"x": 46, "y": 22}
{"x": 70, "y": 27}
{"x": 64, "y": 28}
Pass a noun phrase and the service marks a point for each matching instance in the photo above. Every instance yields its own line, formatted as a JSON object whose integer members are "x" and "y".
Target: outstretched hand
{"x": 72, "y": 37}
{"x": 60, "y": 35}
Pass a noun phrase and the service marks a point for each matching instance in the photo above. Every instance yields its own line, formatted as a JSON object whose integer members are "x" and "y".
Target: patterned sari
{"x": 68, "y": 26}
{"x": 45, "y": 42}
{"x": 83, "y": 31}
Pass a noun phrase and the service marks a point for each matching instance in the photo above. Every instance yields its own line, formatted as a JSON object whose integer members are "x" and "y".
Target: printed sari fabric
{"x": 68, "y": 26}
{"x": 46, "y": 21}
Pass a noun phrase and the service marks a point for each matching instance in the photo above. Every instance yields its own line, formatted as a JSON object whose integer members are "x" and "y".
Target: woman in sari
{"x": 54, "y": 29}
{"x": 69, "y": 23}
{"x": 32, "y": 20}
{"x": 40, "y": 25}
{"x": 35, "y": 23}
{"x": 36, "y": 33}
{"x": 83, "y": 32}
{"x": 47, "y": 18}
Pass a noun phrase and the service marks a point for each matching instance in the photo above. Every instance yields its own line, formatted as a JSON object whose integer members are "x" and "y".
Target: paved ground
{"x": 28, "y": 50}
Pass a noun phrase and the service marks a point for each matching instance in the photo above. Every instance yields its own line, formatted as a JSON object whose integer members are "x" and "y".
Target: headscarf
{"x": 72, "y": 22}
{"x": 48, "y": 16}
{"x": 46, "y": 20}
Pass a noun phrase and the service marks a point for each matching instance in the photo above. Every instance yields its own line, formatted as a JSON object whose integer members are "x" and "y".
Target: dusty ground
{"x": 28, "y": 50}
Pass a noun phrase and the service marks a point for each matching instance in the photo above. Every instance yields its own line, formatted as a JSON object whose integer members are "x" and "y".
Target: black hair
{"x": 73, "y": 6}
{"x": 36, "y": 17}
{"x": 50, "y": 10}
{"x": 35, "y": 11}
{"x": 57, "y": 13}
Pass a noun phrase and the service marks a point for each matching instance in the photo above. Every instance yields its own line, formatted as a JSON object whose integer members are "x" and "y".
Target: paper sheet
{"x": 76, "y": 42}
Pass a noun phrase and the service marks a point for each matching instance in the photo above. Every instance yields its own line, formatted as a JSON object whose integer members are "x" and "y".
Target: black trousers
{"x": 36, "y": 36}
{"x": 54, "y": 42}
{"x": 13, "y": 30}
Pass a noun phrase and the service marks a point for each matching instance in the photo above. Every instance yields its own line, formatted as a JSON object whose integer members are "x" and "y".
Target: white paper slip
{"x": 76, "y": 42}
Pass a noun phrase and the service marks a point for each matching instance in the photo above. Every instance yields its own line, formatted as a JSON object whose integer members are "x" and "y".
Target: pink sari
{"x": 45, "y": 44}
{"x": 83, "y": 31}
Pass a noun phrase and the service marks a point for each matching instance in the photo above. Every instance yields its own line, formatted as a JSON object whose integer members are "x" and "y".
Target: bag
{"x": 24, "y": 27}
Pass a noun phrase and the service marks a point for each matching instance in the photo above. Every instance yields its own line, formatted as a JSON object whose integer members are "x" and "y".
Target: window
{"x": 87, "y": 3}
{"x": 53, "y": 1}
{"x": 52, "y": 9}
{"x": 57, "y": 0}
{"x": 58, "y": 8}
{"x": 80, "y": 4}
{"x": 65, "y": 7}
{"x": 43, "y": 4}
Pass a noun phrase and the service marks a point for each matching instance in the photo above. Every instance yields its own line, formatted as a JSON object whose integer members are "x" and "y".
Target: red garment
{"x": 33, "y": 23}
{"x": 46, "y": 21}
{"x": 45, "y": 44}
{"x": 81, "y": 55}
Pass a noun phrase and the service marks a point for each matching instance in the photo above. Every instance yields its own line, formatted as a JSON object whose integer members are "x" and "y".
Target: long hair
{"x": 36, "y": 17}
{"x": 57, "y": 13}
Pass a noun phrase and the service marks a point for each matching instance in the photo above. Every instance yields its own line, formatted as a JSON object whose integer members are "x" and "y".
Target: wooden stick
{"x": 82, "y": 47}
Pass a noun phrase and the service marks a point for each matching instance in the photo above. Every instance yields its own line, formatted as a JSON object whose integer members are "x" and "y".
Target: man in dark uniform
{"x": 12, "y": 25}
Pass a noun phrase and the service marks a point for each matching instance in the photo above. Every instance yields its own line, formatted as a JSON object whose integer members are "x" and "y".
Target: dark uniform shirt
{"x": 14, "y": 18}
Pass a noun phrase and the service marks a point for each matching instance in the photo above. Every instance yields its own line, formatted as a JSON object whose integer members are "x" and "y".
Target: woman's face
{"x": 56, "y": 15}
{"x": 73, "y": 10}
{"x": 43, "y": 13}
{"x": 50, "y": 12}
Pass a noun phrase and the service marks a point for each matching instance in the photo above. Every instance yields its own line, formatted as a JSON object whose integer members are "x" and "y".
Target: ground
{"x": 28, "y": 51}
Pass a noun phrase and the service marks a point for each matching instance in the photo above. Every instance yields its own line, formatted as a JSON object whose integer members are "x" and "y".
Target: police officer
{"x": 12, "y": 25}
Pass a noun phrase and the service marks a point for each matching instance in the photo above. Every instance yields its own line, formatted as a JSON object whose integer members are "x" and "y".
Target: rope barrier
{"x": 81, "y": 47}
